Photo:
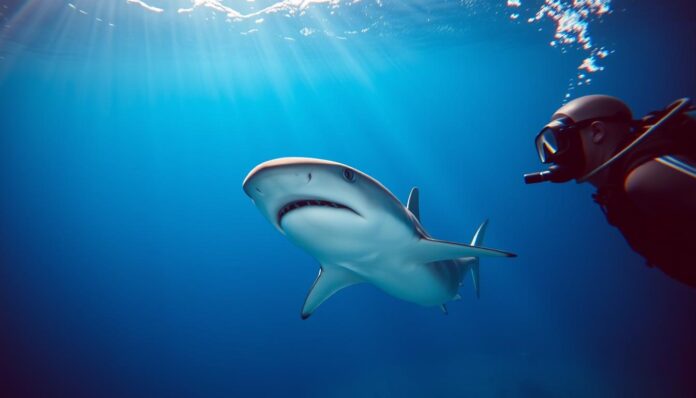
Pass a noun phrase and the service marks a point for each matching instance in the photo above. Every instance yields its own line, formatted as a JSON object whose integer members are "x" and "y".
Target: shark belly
{"x": 422, "y": 284}
{"x": 383, "y": 259}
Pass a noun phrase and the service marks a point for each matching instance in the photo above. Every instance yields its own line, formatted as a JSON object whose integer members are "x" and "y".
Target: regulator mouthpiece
{"x": 555, "y": 173}
{"x": 535, "y": 178}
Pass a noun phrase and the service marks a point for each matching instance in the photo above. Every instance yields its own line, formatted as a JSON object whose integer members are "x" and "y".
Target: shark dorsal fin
{"x": 329, "y": 281}
{"x": 412, "y": 203}
{"x": 477, "y": 240}
{"x": 428, "y": 250}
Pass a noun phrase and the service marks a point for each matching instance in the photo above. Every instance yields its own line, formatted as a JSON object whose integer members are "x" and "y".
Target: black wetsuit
{"x": 666, "y": 241}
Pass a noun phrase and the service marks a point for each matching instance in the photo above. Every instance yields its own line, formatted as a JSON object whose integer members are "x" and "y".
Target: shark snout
{"x": 301, "y": 168}
{"x": 275, "y": 181}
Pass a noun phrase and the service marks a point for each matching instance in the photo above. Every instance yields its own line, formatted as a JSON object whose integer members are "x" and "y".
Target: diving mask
{"x": 559, "y": 143}
{"x": 556, "y": 139}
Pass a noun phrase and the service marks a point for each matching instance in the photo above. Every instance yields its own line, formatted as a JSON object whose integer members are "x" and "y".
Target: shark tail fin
{"x": 477, "y": 240}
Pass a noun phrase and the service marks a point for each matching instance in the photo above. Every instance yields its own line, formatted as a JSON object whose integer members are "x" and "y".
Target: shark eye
{"x": 349, "y": 175}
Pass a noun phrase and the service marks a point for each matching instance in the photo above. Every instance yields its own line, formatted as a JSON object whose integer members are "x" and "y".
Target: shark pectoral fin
{"x": 413, "y": 204}
{"x": 428, "y": 250}
{"x": 329, "y": 281}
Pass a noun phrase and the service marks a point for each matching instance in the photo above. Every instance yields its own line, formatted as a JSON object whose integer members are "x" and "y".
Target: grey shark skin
{"x": 360, "y": 232}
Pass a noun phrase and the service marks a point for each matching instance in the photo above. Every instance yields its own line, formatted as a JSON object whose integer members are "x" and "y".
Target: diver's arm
{"x": 664, "y": 186}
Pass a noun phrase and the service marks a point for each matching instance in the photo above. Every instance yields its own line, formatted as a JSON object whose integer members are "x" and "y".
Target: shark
{"x": 359, "y": 232}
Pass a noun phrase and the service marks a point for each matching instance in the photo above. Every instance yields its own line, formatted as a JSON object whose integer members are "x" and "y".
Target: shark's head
{"x": 323, "y": 206}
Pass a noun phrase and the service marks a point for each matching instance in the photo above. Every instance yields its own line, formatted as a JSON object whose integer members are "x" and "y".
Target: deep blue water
{"x": 133, "y": 265}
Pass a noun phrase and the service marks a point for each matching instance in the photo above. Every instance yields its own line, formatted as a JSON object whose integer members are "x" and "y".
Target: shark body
{"x": 359, "y": 232}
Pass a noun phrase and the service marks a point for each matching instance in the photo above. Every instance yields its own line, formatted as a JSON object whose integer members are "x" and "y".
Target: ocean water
{"x": 133, "y": 265}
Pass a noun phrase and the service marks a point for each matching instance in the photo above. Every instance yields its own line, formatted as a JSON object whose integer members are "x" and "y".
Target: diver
{"x": 644, "y": 171}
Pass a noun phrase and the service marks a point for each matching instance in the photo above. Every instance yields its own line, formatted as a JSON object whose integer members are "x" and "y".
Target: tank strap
{"x": 612, "y": 198}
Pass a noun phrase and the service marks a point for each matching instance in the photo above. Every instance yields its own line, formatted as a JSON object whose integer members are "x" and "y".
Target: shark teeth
{"x": 309, "y": 202}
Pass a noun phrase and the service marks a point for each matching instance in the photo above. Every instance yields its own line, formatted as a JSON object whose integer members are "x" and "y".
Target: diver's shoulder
{"x": 663, "y": 183}
{"x": 669, "y": 166}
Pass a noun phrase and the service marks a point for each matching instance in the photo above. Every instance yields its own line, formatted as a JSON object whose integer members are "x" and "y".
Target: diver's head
{"x": 582, "y": 135}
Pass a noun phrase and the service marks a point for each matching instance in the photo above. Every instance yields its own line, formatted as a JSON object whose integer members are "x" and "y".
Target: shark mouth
{"x": 310, "y": 202}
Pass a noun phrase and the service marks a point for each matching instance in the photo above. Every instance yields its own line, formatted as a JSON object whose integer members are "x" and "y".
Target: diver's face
{"x": 590, "y": 149}
{"x": 600, "y": 141}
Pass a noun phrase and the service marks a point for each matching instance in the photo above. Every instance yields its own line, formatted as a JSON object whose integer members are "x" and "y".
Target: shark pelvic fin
{"x": 428, "y": 250}
{"x": 329, "y": 281}
{"x": 413, "y": 202}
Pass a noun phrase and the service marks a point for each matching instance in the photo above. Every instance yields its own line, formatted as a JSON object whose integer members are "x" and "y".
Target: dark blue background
{"x": 134, "y": 265}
